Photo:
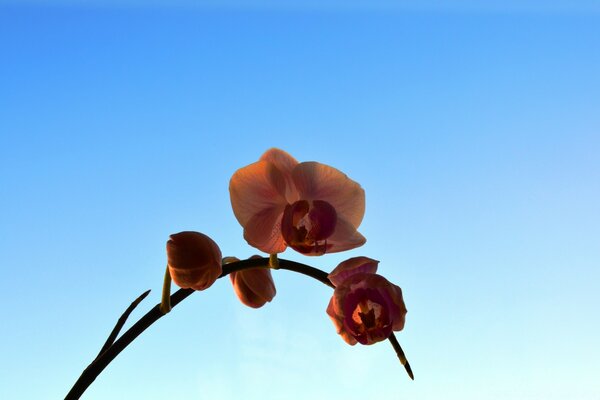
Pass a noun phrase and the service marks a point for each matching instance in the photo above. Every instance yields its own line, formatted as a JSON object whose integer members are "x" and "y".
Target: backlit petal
{"x": 345, "y": 237}
{"x": 355, "y": 265}
{"x": 255, "y": 188}
{"x": 286, "y": 164}
{"x": 399, "y": 311}
{"x": 337, "y": 320}
{"x": 281, "y": 159}
{"x": 263, "y": 230}
{"x": 316, "y": 181}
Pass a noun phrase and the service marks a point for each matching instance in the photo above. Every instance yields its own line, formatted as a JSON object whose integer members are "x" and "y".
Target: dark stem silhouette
{"x": 113, "y": 347}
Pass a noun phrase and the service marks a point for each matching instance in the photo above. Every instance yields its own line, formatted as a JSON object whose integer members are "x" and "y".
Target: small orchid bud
{"x": 194, "y": 260}
{"x": 254, "y": 287}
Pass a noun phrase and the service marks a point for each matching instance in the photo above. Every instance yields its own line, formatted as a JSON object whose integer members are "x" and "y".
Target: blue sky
{"x": 473, "y": 127}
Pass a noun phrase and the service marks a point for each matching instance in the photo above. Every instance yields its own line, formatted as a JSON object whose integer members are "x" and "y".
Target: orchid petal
{"x": 282, "y": 160}
{"x": 286, "y": 164}
{"x": 255, "y": 188}
{"x": 263, "y": 230}
{"x": 345, "y": 237}
{"x": 352, "y": 266}
{"x": 316, "y": 181}
{"x": 399, "y": 309}
{"x": 337, "y": 320}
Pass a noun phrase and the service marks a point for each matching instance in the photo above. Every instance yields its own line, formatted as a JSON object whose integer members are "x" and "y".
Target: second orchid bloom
{"x": 365, "y": 307}
{"x": 310, "y": 207}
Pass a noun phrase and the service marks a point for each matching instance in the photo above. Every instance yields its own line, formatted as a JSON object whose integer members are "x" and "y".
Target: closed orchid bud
{"x": 194, "y": 260}
{"x": 254, "y": 287}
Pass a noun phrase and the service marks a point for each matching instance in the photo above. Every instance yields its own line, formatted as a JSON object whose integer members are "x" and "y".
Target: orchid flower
{"x": 365, "y": 307}
{"x": 309, "y": 206}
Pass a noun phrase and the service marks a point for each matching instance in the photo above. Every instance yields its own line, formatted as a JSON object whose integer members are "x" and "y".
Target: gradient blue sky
{"x": 473, "y": 127}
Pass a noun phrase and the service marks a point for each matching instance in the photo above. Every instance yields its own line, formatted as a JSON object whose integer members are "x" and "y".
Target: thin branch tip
{"x": 121, "y": 322}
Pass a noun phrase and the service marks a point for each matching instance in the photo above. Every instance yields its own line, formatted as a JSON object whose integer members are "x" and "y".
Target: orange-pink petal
{"x": 338, "y": 323}
{"x": 263, "y": 230}
{"x": 345, "y": 237}
{"x": 352, "y": 266}
{"x": 316, "y": 181}
{"x": 398, "y": 312}
{"x": 286, "y": 164}
{"x": 255, "y": 188}
{"x": 282, "y": 160}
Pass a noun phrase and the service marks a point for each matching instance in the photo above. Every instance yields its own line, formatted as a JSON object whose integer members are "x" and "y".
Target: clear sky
{"x": 474, "y": 128}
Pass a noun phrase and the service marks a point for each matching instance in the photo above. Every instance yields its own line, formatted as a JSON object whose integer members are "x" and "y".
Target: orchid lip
{"x": 306, "y": 225}
{"x": 367, "y": 316}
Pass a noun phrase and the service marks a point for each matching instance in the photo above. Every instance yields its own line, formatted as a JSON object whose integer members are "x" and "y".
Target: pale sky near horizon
{"x": 473, "y": 128}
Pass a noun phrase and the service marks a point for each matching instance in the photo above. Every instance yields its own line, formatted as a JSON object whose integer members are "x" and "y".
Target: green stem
{"x": 165, "y": 302}
{"x": 274, "y": 261}
{"x": 101, "y": 362}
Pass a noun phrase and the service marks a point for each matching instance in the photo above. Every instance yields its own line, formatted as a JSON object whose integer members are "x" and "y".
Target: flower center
{"x": 368, "y": 314}
{"x": 368, "y": 317}
{"x": 307, "y": 224}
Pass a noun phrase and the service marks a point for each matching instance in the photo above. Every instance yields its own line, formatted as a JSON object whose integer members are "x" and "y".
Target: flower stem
{"x": 401, "y": 355}
{"x": 108, "y": 355}
{"x": 273, "y": 261}
{"x": 165, "y": 303}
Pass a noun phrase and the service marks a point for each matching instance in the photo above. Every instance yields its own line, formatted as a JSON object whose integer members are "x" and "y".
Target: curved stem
{"x": 97, "y": 366}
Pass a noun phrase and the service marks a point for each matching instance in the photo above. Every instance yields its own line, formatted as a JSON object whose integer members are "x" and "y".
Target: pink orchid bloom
{"x": 365, "y": 307}
{"x": 194, "y": 260}
{"x": 311, "y": 207}
{"x": 254, "y": 287}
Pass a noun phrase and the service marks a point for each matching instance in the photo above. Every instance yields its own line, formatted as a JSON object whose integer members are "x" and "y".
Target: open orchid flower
{"x": 194, "y": 260}
{"x": 311, "y": 207}
{"x": 365, "y": 307}
{"x": 254, "y": 287}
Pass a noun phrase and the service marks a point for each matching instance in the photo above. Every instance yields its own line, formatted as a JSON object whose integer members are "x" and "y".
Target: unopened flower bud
{"x": 254, "y": 287}
{"x": 194, "y": 260}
